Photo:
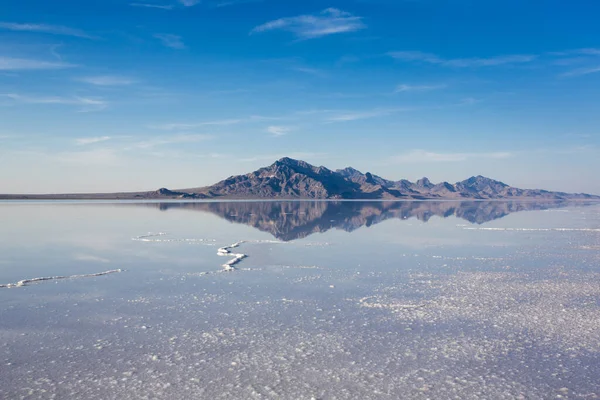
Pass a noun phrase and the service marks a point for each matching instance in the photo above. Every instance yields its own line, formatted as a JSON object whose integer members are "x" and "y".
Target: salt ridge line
{"x": 237, "y": 258}
{"x": 25, "y": 282}
{"x": 223, "y": 251}
{"x": 537, "y": 229}
{"x": 149, "y": 235}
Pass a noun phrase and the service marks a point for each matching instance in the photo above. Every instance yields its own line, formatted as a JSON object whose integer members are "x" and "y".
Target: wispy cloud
{"x": 585, "y": 51}
{"x": 90, "y": 157}
{"x": 107, "y": 80}
{"x": 189, "y": 3}
{"x": 417, "y": 88}
{"x": 43, "y": 28}
{"x": 422, "y": 156}
{"x": 86, "y": 104}
{"x": 91, "y": 140}
{"x": 185, "y": 126}
{"x": 310, "y": 71}
{"x": 418, "y": 56}
{"x": 357, "y": 115}
{"x": 278, "y": 131}
{"x": 582, "y": 71}
{"x": 328, "y": 22}
{"x": 273, "y": 157}
{"x": 172, "y": 41}
{"x": 227, "y": 3}
{"x": 149, "y": 5}
{"x": 23, "y": 64}
{"x": 174, "y": 139}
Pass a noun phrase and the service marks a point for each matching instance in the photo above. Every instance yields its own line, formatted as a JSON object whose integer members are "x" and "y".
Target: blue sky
{"x": 135, "y": 95}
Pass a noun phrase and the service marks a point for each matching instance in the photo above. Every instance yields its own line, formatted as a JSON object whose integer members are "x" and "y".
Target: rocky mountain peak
{"x": 425, "y": 183}
{"x": 349, "y": 172}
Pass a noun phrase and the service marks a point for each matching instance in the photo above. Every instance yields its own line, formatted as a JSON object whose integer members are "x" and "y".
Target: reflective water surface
{"x": 299, "y": 300}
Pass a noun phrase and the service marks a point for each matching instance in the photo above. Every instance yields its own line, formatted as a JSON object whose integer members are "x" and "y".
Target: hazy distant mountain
{"x": 294, "y": 179}
{"x": 289, "y": 179}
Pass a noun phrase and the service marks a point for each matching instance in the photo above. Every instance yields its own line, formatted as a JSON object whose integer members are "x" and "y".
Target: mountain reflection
{"x": 290, "y": 220}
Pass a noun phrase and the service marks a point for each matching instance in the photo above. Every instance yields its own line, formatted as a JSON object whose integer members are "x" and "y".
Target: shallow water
{"x": 350, "y": 300}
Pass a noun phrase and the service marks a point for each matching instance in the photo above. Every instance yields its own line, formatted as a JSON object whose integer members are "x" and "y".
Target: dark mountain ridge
{"x": 292, "y": 179}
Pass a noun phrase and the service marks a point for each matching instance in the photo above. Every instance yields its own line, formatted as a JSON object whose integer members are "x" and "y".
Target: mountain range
{"x": 294, "y": 179}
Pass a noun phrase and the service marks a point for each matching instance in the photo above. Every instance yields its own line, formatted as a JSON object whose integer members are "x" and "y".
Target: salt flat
{"x": 329, "y": 301}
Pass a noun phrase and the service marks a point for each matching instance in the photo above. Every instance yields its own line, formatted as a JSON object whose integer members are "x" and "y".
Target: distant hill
{"x": 294, "y": 179}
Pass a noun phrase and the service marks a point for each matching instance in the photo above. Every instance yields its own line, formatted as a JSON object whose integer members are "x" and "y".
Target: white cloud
{"x": 327, "y": 22}
{"x": 148, "y": 5}
{"x": 279, "y": 130}
{"x": 23, "y": 64}
{"x": 417, "y": 56}
{"x": 86, "y": 104}
{"x": 107, "y": 80}
{"x": 417, "y": 88}
{"x": 43, "y": 28}
{"x": 172, "y": 41}
{"x": 422, "y": 156}
{"x": 92, "y": 140}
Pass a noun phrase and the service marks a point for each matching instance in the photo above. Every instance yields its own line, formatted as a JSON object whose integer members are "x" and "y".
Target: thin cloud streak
{"x": 358, "y": 115}
{"x": 418, "y": 56}
{"x": 224, "y": 122}
{"x": 175, "y": 139}
{"x": 92, "y": 140}
{"x": 417, "y": 88}
{"x": 104, "y": 157}
{"x": 107, "y": 80}
{"x": 189, "y": 3}
{"x": 273, "y": 157}
{"x": 24, "y": 64}
{"x": 228, "y": 3}
{"x": 147, "y": 5}
{"x": 278, "y": 131}
{"x": 328, "y": 22}
{"x": 422, "y": 156}
{"x": 86, "y": 104}
{"x": 582, "y": 71}
{"x": 184, "y": 126}
{"x": 172, "y": 41}
{"x": 43, "y": 28}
